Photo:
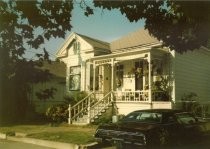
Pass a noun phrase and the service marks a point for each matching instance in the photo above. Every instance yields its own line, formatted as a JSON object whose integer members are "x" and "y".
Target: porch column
{"x": 150, "y": 80}
{"x": 85, "y": 76}
{"x": 112, "y": 81}
{"x": 94, "y": 77}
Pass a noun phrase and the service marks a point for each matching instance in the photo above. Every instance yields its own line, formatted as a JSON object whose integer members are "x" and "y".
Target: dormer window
{"x": 76, "y": 47}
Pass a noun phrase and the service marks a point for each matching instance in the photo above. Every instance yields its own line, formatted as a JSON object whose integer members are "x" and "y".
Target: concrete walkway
{"x": 58, "y": 145}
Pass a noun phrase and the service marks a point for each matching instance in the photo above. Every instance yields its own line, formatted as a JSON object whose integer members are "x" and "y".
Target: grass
{"x": 62, "y": 133}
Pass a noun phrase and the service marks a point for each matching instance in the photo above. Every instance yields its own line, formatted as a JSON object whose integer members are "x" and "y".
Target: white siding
{"x": 192, "y": 74}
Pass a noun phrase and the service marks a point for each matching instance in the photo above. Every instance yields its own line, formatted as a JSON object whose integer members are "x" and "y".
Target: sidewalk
{"x": 20, "y": 137}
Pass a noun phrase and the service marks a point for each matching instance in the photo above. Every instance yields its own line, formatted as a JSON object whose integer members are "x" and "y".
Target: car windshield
{"x": 185, "y": 118}
{"x": 150, "y": 117}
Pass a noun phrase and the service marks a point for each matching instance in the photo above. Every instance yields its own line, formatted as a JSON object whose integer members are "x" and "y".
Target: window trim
{"x": 75, "y": 74}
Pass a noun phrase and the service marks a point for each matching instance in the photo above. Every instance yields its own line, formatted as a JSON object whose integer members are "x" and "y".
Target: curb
{"x": 46, "y": 143}
{"x": 52, "y": 144}
{"x": 3, "y": 136}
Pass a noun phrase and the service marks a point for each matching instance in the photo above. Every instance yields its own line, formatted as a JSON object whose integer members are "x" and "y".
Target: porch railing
{"x": 141, "y": 96}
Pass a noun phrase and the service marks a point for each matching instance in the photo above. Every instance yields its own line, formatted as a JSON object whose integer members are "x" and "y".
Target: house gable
{"x": 67, "y": 48}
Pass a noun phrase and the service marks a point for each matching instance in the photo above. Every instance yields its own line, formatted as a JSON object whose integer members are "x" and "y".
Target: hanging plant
{"x": 138, "y": 72}
{"x": 118, "y": 82}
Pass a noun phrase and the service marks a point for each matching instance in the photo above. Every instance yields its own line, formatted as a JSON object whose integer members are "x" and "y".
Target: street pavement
{"x": 5, "y": 144}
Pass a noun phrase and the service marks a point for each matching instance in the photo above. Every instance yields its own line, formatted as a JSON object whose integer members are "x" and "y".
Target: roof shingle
{"x": 139, "y": 38}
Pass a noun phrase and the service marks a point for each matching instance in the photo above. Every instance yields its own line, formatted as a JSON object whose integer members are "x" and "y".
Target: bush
{"x": 57, "y": 113}
{"x": 191, "y": 104}
{"x": 75, "y": 97}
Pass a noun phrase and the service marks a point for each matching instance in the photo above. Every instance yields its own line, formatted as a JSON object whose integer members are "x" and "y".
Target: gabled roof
{"x": 139, "y": 38}
{"x": 95, "y": 42}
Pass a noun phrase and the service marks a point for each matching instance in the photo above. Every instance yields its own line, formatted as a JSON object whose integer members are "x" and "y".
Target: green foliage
{"x": 24, "y": 25}
{"x": 46, "y": 93}
{"x": 57, "y": 113}
{"x": 161, "y": 89}
{"x": 75, "y": 97}
{"x": 190, "y": 103}
{"x": 176, "y": 23}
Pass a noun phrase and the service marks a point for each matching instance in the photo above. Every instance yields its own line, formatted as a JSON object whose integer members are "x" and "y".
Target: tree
{"x": 26, "y": 24}
{"x": 181, "y": 25}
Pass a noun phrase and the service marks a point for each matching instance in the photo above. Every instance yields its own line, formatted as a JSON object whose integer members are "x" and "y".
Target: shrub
{"x": 191, "y": 104}
{"x": 57, "y": 113}
{"x": 75, "y": 97}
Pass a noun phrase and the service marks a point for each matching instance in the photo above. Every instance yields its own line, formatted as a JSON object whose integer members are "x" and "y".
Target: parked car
{"x": 152, "y": 128}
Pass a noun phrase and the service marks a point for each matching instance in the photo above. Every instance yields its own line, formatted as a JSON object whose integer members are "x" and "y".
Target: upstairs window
{"x": 75, "y": 78}
{"x": 76, "y": 47}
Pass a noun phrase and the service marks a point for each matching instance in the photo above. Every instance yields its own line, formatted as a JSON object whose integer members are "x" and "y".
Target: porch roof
{"x": 128, "y": 52}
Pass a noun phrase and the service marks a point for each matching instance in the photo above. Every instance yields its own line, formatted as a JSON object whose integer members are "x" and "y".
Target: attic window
{"x": 76, "y": 47}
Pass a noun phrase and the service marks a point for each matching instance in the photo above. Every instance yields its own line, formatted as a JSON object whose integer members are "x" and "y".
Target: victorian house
{"x": 131, "y": 73}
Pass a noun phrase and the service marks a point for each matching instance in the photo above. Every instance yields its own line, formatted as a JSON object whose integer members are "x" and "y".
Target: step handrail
{"x": 106, "y": 99}
{"x": 102, "y": 98}
{"x": 84, "y": 103}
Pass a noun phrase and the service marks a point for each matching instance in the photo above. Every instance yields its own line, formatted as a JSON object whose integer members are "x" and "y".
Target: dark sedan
{"x": 153, "y": 128}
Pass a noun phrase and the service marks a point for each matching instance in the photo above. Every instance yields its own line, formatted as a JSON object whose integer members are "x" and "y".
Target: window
{"x": 74, "y": 78}
{"x": 151, "y": 117}
{"x": 76, "y": 47}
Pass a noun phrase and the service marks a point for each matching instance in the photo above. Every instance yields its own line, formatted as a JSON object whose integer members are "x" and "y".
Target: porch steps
{"x": 89, "y": 109}
{"x": 83, "y": 120}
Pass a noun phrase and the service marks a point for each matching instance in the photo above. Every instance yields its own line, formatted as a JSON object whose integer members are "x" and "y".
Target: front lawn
{"x": 62, "y": 133}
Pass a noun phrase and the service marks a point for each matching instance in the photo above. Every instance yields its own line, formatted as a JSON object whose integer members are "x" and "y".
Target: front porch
{"x": 141, "y": 76}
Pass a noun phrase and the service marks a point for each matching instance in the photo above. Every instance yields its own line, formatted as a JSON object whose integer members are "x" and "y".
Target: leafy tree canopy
{"x": 181, "y": 25}
{"x": 26, "y": 24}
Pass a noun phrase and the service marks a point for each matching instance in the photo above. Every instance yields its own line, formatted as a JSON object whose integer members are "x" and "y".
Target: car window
{"x": 185, "y": 118}
{"x": 144, "y": 117}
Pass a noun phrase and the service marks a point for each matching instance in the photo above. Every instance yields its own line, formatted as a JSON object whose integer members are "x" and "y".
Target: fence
{"x": 199, "y": 108}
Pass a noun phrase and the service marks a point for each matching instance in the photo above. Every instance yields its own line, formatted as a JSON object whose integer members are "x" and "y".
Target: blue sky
{"x": 103, "y": 25}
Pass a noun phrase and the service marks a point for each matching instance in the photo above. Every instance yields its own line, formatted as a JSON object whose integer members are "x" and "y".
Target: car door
{"x": 174, "y": 129}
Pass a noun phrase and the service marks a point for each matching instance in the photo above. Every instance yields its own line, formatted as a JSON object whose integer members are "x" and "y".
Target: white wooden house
{"x": 133, "y": 72}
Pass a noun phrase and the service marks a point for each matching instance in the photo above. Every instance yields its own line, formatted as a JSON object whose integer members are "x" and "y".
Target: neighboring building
{"x": 133, "y": 72}
{"x": 57, "y": 81}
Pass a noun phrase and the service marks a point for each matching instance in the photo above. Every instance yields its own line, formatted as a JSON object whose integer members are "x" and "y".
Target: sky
{"x": 103, "y": 25}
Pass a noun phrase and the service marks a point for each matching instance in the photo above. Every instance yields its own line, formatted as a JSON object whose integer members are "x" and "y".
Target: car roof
{"x": 160, "y": 110}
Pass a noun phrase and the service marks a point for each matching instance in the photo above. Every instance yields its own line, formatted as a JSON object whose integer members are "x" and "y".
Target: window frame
{"x": 73, "y": 75}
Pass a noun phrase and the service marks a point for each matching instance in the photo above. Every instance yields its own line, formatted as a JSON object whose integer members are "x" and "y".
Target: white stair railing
{"x": 90, "y": 107}
{"x": 100, "y": 106}
{"x": 81, "y": 108}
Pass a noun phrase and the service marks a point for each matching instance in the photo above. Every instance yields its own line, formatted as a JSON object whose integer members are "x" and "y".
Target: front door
{"x": 107, "y": 78}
